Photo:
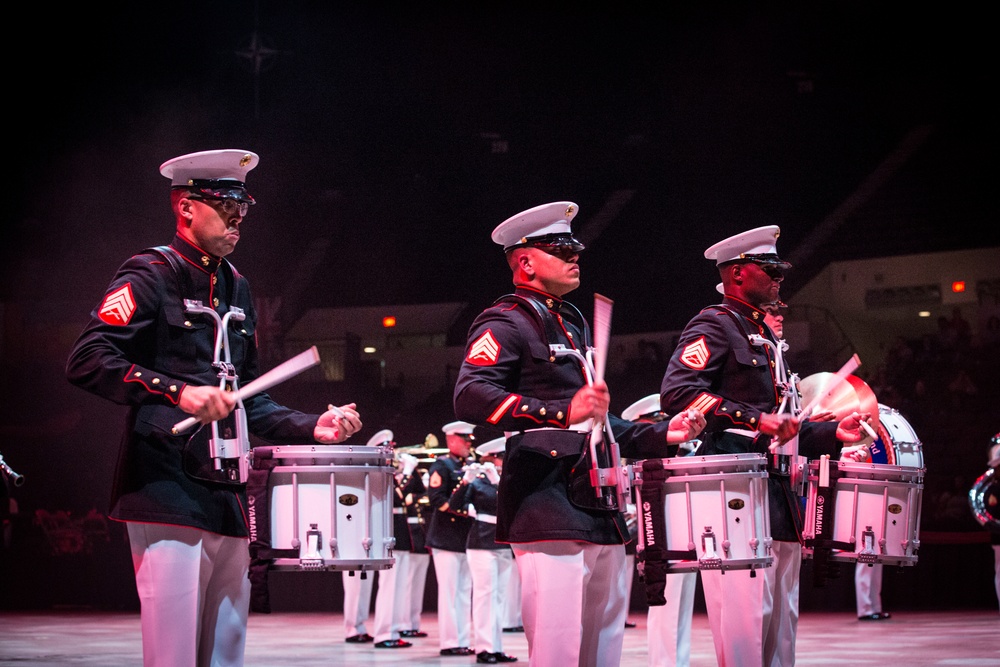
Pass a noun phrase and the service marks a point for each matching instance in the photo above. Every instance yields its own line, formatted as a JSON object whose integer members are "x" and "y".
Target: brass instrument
{"x": 984, "y": 496}
{"x": 426, "y": 453}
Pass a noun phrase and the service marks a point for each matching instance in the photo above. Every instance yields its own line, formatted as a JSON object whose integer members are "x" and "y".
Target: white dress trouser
{"x": 571, "y": 602}
{"x": 454, "y": 598}
{"x": 194, "y": 592}
{"x": 490, "y": 569}
{"x": 735, "y": 605}
{"x": 781, "y": 604}
{"x": 357, "y": 602}
{"x": 868, "y": 588}
{"x": 390, "y": 600}
{"x": 668, "y": 626}
{"x": 512, "y": 598}
{"x": 416, "y": 579}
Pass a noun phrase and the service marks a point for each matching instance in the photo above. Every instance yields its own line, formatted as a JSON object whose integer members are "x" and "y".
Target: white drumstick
{"x": 848, "y": 368}
{"x": 602, "y": 333}
{"x": 279, "y": 373}
{"x": 869, "y": 430}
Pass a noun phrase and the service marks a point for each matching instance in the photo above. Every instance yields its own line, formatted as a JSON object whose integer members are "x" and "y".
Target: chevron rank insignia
{"x": 696, "y": 354}
{"x": 485, "y": 351}
{"x": 118, "y": 306}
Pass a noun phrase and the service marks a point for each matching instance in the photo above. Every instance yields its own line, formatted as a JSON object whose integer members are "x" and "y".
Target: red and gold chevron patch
{"x": 696, "y": 354}
{"x": 485, "y": 351}
{"x": 118, "y": 306}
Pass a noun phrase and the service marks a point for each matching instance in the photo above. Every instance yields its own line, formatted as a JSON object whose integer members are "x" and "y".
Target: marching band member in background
{"x": 568, "y": 543}
{"x": 447, "y": 536}
{"x": 417, "y": 505}
{"x": 391, "y": 609}
{"x": 357, "y": 606}
{"x": 186, "y": 518}
{"x": 717, "y": 370}
{"x": 489, "y": 561}
{"x": 668, "y": 626}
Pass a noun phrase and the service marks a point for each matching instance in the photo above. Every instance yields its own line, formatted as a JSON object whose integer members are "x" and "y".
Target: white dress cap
{"x": 756, "y": 245}
{"x": 227, "y": 164}
{"x": 383, "y": 437}
{"x": 458, "y": 428}
{"x": 545, "y": 220}
{"x": 644, "y": 406}
{"x": 492, "y": 447}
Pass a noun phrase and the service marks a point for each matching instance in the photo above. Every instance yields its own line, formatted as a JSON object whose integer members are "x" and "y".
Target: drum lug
{"x": 313, "y": 559}
{"x": 711, "y": 560}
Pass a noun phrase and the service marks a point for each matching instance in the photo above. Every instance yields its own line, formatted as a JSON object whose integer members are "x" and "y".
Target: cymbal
{"x": 839, "y": 397}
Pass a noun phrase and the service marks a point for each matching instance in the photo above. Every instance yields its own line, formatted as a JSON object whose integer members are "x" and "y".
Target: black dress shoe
{"x": 516, "y": 628}
{"x": 875, "y": 616}
{"x": 457, "y": 650}
{"x": 412, "y": 633}
{"x": 360, "y": 639}
{"x": 393, "y": 643}
{"x": 629, "y": 624}
{"x": 486, "y": 658}
{"x": 503, "y": 657}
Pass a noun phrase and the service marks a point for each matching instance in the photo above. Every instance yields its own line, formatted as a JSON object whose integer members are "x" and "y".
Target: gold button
{"x": 243, "y": 331}
{"x": 138, "y": 374}
{"x": 187, "y": 323}
{"x": 173, "y": 388}
{"x": 754, "y": 362}
{"x": 216, "y": 301}
{"x": 541, "y": 411}
{"x": 156, "y": 380}
{"x": 204, "y": 260}
{"x": 569, "y": 333}
{"x": 524, "y": 408}
{"x": 738, "y": 414}
{"x": 550, "y": 303}
{"x": 553, "y": 453}
{"x": 725, "y": 409}
{"x": 552, "y": 358}
{"x": 559, "y": 415}
{"x": 753, "y": 420}
{"x": 215, "y": 279}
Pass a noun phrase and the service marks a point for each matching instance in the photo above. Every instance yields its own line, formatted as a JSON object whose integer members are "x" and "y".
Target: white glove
{"x": 471, "y": 472}
{"x": 409, "y": 463}
{"x": 492, "y": 473}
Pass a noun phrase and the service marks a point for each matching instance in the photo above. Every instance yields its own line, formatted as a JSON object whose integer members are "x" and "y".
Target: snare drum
{"x": 330, "y": 507}
{"x": 897, "y": 444}
{"x": 710, "y": 511}
{"x": 864, "y": 512}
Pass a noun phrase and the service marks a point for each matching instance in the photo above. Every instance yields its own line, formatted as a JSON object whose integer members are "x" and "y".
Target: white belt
{"x": 486, "y": 518}
{"x": 583, "y": 427}
{"x": 746, "y": 434}
{"x": 399, "y": 510}
{"x": 413, "y": 519}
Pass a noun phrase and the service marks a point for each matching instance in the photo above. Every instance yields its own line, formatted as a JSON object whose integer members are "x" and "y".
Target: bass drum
{"x": 897, "y": 444}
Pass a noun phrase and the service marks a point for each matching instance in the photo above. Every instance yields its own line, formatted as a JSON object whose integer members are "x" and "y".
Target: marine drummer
{"x": 569, "y": 547}
{"x": 186, "y": 520}
{"x": 717, "y": 370}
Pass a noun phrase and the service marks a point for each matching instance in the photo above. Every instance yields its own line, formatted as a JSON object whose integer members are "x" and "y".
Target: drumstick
{"x": 279, "y": 373}
{"x": 602, "y": 333}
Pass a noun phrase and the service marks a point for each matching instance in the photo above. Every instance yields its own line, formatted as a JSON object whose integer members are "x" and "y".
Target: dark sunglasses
{"x": 773, "y": 272}
{"x": 226, "y": 205}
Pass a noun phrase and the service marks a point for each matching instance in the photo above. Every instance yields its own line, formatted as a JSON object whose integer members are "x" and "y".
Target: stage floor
{"x": 305, "y": 639}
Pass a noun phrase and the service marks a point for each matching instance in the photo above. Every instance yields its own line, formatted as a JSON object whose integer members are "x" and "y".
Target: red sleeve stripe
{"x": 704, "y": 403}
{"x": 503, "y": 407}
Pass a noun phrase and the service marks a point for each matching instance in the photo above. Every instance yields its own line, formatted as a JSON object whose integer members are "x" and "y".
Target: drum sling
{"x": 259, "y": 517}
{"x": 651, "y": 553}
